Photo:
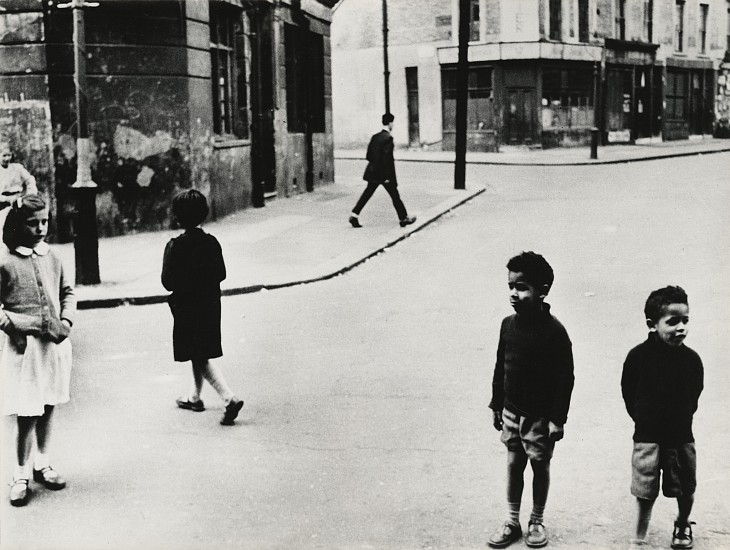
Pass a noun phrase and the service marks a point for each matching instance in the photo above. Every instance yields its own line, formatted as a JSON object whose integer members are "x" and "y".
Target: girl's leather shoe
{"x": 19, "y": 492}
{"x": 49, "y": 478}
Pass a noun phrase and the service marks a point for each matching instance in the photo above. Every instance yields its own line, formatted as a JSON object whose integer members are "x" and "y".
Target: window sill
{"x": 230, "y": 143}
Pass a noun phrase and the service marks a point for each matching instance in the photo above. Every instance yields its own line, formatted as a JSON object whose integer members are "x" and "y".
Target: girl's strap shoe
{"x": 49, "y": 478}
{"x": 19, "y": 492}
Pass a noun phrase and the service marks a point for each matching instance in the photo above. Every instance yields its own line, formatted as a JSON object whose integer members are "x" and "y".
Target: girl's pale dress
{"x": 34, "y": 294}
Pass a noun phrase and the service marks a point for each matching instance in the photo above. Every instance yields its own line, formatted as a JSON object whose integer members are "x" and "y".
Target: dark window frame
{"x": 649, "y": 20}
{"x": 228, "y": 72}
{"x": 584, "y": 31}
{"x": 704, "y": 14}
{"x": 620, "y": 7}
{"x": 304, "y": 62}
{"x": 556, "y": 19}
{"x": 679, "y": 26}
{"x": 474, "y": 21}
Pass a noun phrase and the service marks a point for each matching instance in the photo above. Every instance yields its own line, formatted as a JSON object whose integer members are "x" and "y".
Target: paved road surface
{"x": 366, "y": 421}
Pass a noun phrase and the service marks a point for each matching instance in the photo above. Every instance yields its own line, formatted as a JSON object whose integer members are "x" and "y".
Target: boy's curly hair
{"x": 661, "y": 298}
{"x": 534, "y": 267}
{"x": 190, "y": 208}
{"x": 18, "y": 213}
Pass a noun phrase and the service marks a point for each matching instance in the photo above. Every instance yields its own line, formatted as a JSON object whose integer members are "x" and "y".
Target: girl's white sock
{"x": 40, "y": 461}
{"x": 21, "y": 472}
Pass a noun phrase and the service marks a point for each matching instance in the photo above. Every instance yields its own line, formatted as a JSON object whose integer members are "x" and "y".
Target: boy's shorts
{"x": 528, "y": 435}
{"x": 678, "y": 466}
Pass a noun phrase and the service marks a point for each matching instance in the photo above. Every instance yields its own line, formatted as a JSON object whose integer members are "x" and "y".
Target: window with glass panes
{"x": 679, "y": 25}
{"x": 228, "y": 75}
{"x": 480, "y": 107}
{"x": 567, "y": 97}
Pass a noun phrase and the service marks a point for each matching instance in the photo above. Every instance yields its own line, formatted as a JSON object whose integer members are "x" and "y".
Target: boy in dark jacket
{"x": 661, "y": 385}
{"x": 531, "y": 389}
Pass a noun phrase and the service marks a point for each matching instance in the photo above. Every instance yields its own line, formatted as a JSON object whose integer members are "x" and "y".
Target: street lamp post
{"x": 386, "y": 70}
{"x": 84, "y": 190}
{"x": 462, "y": 96}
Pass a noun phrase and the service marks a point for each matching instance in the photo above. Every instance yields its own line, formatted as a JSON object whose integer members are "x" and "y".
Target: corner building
{"x": 231, "y": 97}
{"x": 542, "y": 73}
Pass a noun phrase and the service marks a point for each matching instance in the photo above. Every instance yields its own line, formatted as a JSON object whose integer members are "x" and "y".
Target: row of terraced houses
{"x": 541, "y": 72}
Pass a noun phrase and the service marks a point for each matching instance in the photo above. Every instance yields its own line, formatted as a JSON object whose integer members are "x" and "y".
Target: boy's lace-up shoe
{"x": 354, "y": 222}
{"x": 682, "y": 536}
{"x": 536, "y": 536}
{"x": 49, "y": 478}
{"x": 19, "y": 492}
{"x": 407, "y": 221}
{"x": 505, "y": 535}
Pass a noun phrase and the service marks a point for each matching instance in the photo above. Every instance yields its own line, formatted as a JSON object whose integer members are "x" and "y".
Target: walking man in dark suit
{"x": 381, "y": 171}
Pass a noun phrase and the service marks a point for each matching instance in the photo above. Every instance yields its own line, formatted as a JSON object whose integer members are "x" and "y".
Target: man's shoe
{"x": 407, "y": 221}
{"x": 354, "y": 222}
{"x": 505, "y": 535}
{"x": 232, "y": 410}
{"x": 185, "y": 403}
{"x": 49, "y": 478}
{"x": 19, "y": 492}
{"x": 682, "y": 536}
{"x": 536, "y": 536}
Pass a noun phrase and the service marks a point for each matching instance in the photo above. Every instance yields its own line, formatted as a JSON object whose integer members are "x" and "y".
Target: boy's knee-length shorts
{"x": 528, "y": 435}
{"x": 678, "y": 466}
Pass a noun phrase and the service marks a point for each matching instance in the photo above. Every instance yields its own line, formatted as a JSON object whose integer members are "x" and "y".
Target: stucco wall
{"x": 358, "y": 96}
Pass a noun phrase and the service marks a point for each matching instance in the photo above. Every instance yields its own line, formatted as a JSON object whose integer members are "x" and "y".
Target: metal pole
{"x": 86, "y": 233}
{"x": 462, "y": 97}
{"x": 594, "y": 130}
{"x": 386, "y": 71}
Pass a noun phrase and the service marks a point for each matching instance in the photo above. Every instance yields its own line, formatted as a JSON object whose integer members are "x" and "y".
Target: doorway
{"x": 519, "y": 116}
{"x": 414, "y": 130}
{"x": 263, "y": 160}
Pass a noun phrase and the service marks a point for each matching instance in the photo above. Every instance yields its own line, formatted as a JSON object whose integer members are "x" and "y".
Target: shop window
{"x": 474, "y": 20}
{"x": 704, "y": 8}
{"x": 304, "y": 53}
{"x": 621, "y": 19}
{"x": 676, "y": 95}
{"x": 556, "y": 17}
{"x": 648, "y": 20}
{"x": 480, "y": 108}
{"x": 679, "y": 26}
{"x": 567, "y": 98}
{"x": 228, "y": 75}
{"x": 583, "y": 21}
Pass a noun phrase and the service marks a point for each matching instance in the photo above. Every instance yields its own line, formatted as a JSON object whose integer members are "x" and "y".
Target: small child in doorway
{"x": 192, "y": 269}
{"x": 531, "y": 390}
{"x": 661, "y": 384}
{"x": 37, "y": 312}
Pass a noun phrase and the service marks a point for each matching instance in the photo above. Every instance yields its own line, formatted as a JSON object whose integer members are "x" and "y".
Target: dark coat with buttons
{"x": 192, "y": 269}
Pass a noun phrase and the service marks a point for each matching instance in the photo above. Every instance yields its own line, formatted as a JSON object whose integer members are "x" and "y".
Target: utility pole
{"x": 594, "y": 130}
{"x": 462, "y": 97}
{"x": 84, "y": 190}
{"x": 386, "y": 71}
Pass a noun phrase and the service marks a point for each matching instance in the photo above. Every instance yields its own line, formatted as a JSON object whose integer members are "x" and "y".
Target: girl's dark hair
{"x": 19, "y": 212}
{"x": 190, "y": 208}
{"x": 661, "y": 298}
{"x": 533, "y": 267}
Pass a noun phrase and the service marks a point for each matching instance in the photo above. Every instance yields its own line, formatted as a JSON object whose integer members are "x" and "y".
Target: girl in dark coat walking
{"x": 192, "y": 269}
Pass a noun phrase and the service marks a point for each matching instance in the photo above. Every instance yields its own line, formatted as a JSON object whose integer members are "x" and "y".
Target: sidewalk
{"x": 307, "y": 238}
{"x": 291, "y": 241}
{"x": 567, "y": 156}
